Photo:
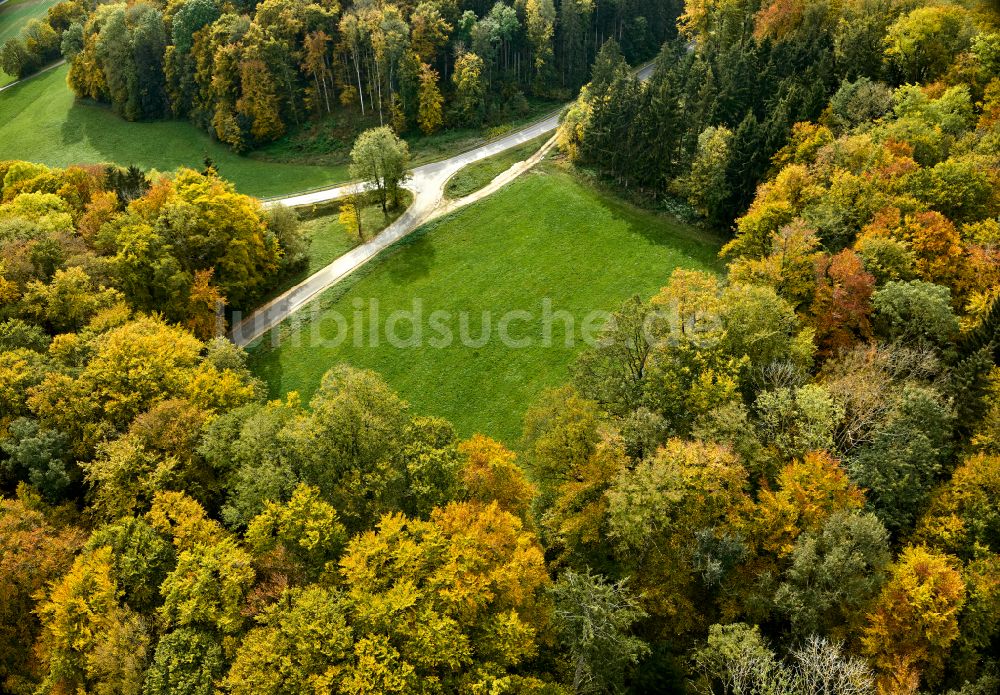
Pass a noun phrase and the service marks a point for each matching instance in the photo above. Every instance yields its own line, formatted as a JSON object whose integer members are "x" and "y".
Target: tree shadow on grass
{"x": 663, "y": 229}
{"x": 73, "y": 129}
{"x": 268, "y": 369}
{"x": 147, "y": 144}
{"x": 416, "y": 258}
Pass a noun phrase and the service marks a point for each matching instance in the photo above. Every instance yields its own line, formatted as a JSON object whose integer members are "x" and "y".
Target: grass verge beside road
{"x": 479, "y": 174}
{"x": 329, "y": 239}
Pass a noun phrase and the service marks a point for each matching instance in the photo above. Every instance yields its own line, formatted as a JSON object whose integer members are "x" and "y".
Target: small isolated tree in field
{"x": 14, "y": 57}
{"x": 380, "y": 158}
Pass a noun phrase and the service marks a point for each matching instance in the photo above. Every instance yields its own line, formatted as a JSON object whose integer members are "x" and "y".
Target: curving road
{"x": 427, "y": 184}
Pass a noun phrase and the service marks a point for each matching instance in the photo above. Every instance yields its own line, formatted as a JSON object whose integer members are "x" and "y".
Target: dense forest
{"x": 249, "y": 72}
{"x": 783, "y": 482}
{"x": 84, "y": 238}
{"x": 780, "y": 480}
{"x": 728, "y": 92}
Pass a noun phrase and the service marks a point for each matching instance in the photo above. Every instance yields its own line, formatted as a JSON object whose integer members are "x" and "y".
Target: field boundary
{"x": 436, "y": 160}
{"x": 50, "y": 66}
{"x": 443, "y": 158}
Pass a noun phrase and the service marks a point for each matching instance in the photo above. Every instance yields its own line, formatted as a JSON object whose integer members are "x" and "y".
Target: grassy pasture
{"x": 14, "y": 14}
{"x": 547, "y": 238}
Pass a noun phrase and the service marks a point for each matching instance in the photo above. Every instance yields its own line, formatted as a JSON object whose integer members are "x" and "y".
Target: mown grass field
{"x": 42, "y": 122}
{"x": 479, "y": 174}
{"x": 546, "y": 236}
{"x": 14, "y": 14}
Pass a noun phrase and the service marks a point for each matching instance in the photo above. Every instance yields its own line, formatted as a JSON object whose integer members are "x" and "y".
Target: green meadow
{"x": 547, "y": 239}
{"x": 14, "y": 14}
{"x": 44, "y": 123}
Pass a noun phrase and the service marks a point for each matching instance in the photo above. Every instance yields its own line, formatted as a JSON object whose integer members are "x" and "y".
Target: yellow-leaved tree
{"x": 914, "y": 620}
{"x": 429, "y": 115}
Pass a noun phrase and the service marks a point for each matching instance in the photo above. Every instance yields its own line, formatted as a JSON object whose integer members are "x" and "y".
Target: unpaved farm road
{"x": 427, "y": 184}
{"x": 34, "y": 74}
